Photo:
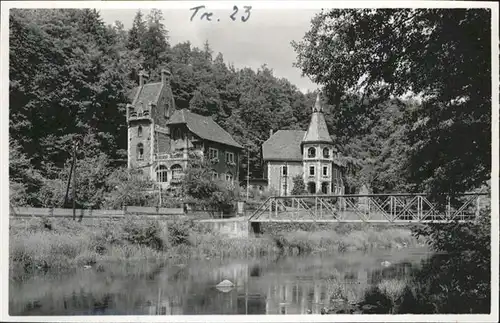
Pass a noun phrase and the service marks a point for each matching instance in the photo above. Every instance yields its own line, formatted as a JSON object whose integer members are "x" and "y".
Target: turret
{"x": 317, "y": 152}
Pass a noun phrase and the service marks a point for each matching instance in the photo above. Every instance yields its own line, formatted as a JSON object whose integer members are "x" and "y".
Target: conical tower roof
{"x": 317, "y": 131}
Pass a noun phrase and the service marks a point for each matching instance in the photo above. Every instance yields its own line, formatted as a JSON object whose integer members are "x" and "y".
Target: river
{"x": 271, "y": 285}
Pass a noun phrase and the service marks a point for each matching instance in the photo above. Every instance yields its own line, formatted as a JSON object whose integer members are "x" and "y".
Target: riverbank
{"x": 64, "y": 244}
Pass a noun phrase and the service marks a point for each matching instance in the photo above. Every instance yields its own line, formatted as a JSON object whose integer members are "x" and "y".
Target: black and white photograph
{"x": 250, "y": 161}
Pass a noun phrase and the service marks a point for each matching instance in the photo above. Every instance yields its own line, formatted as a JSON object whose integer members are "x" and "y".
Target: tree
{"x": 154, "y": 46}
{"x": 127, "y": 187}
{"x": 202, "y": 190}
{"x": 23, "y": 178}
{"x": 392, "y": 52}
{"x": 137, "y": 32}
{"x": 299, "y": 187}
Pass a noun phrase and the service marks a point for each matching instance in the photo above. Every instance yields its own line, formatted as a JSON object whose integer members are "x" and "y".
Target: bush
{"x": 178, "y": 232}
{"x": 299, "y": 187}
{"x": 140, "y": 233}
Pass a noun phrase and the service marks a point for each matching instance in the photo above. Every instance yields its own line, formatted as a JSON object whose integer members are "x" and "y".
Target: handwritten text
{"x": 201, "y": 13}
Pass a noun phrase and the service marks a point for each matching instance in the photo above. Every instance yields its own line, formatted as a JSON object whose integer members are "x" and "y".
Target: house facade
{"x": 162, "y": 140}
{"x": 310, "y": 154}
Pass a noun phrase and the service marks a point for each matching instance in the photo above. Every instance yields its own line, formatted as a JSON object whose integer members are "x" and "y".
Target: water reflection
{"x": 291, "y": 285}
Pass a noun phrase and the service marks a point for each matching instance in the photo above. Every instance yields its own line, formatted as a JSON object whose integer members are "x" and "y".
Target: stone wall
{"x": 229, "y": 227}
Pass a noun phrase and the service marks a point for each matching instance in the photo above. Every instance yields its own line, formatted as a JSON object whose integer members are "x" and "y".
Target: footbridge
{"x": 370, "y": 208}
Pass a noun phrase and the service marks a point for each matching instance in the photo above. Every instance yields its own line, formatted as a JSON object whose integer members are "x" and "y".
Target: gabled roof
{"x": 318, "y": 130}
{"x": 204, "y": 127}
{"x": 149, "y": 92}
{"x": 283, "y": 145}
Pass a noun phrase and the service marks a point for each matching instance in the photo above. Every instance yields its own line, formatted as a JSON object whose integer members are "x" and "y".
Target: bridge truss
{"x": 370, "y": 208}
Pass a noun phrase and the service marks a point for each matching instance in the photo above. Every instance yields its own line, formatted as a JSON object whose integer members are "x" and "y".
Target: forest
{"x": 71, "y": 76}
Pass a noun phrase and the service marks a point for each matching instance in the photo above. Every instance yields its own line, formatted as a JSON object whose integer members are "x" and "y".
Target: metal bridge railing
{"x": 389, "y": 208}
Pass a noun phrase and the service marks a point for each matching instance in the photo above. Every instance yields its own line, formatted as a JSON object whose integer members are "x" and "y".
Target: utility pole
{"x": 75, "y": 146}
{"x": 286, "y": 177}
{"x": 248, "y": 172}
{"x": 69, "y": 180}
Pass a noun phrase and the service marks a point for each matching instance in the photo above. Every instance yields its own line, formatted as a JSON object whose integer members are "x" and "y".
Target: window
{"x": 161, "y": 174}
{"x": 176, "y": 172}
{"x": 326, "y": 153}
{"x": 139, "y": 132}
{"x": 140, "y": 151}
{"x": 311, "y": 170}
{"x": 215, "y": 175}
{"x": 311, "y": 152}
{"x": 324, "y": 187}
{"x": 177, "y": 133}
{"x": 229, "y": 177}
{"x": 213, "y": 153}
{"x": 325, "y": 170}
{"x": 311, "y": 187}
{"x": 284, "y": 170}
{"x": 229, "y": 157}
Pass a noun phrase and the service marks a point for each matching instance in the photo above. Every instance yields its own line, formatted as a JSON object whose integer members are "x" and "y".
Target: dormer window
{"x": 139, "y": 131}
{"x": 326, "y": 153}
{"x": 311, "y": 152}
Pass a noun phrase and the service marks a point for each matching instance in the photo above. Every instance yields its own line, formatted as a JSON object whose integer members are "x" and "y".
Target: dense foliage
{"x": 455, "y": 280}
{"x": 71, "y": 76}
{"x": 201, "y": 189}
{"x": 299, "y": 187}
{"x": 433, "y": 53}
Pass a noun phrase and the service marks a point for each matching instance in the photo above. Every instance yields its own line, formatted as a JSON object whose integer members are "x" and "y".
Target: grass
{"x": 64, "y": 244}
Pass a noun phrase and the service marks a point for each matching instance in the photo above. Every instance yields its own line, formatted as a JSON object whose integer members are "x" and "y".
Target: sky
{"x": 264, "y": 38}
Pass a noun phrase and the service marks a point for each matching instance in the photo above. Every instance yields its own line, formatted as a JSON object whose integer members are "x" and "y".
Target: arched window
{"x": 140, "y": 151}
{"x": 311, "y": 187}
{"x": 326, "y": 153}
{"x": 229, "y": 177}
{"x": 311, "y": 152}
{"x": 176, "y": 171}
{"x": 139, "y": 131}
{"x": 324, "y": 188}
{"x": 161, "y": 174}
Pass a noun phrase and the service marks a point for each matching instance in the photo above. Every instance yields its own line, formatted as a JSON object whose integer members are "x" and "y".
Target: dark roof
{"x": 148, "y": 93}
{"x": 204, "y": 127}
{"x": 318, "y": 130}
{"x": 283, "y": 145}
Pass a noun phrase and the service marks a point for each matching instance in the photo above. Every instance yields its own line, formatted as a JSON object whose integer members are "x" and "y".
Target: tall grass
{"x": 63, "y": 243}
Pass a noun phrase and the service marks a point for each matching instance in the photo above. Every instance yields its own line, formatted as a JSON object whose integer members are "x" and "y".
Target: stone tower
{"x": 318, "y": 153}
{"x": 146, "y": 118}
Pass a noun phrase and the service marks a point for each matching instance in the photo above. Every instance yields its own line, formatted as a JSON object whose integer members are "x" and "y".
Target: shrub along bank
{"x": 63, "y": 243}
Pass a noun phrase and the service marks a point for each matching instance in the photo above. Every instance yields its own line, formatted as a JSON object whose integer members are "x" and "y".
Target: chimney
{"x": 142, "y": 77}
{"x": 165, "y": 76}
{"x": 270, "y": 133}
